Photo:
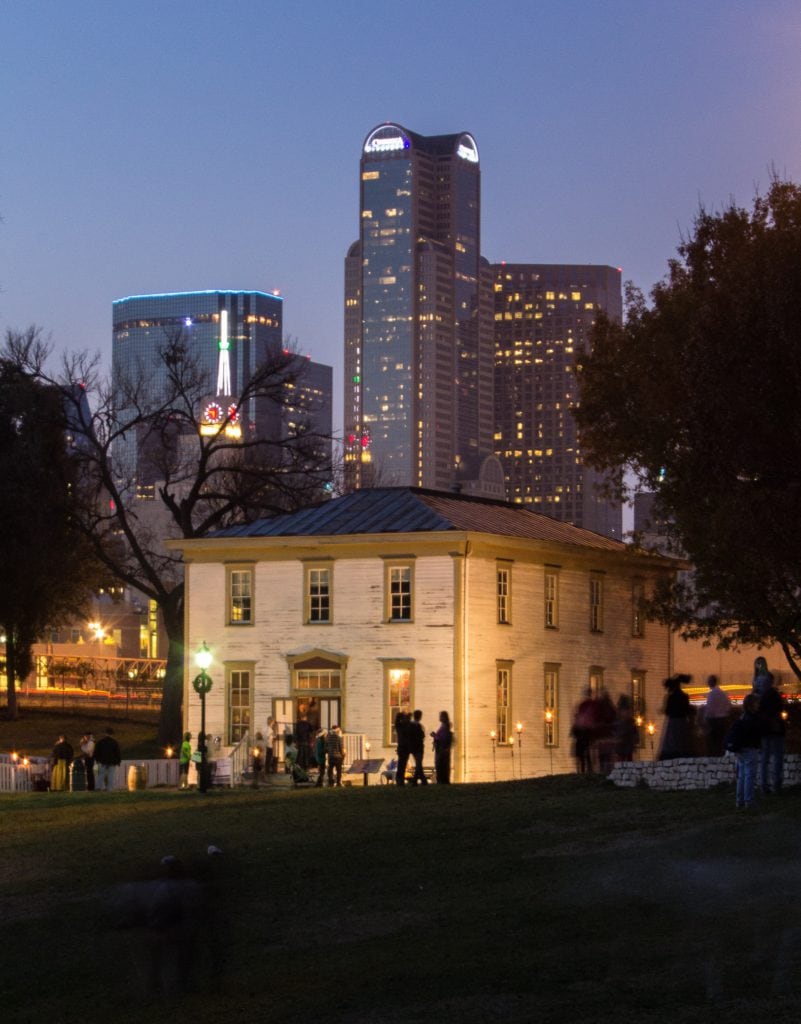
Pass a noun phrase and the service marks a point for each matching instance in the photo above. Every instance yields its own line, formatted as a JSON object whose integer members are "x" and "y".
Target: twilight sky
{"x": 189, "y": 144}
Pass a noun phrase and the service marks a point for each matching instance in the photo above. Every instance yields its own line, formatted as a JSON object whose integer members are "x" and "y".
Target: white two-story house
{"x": 394, "y": 598}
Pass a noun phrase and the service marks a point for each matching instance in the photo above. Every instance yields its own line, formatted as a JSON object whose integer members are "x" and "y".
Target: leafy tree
{"x": 698, "y": 393}
{"x": 182, "y": 483}
{"x": 48, "y": 569}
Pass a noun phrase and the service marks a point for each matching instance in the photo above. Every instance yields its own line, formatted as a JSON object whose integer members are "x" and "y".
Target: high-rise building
{"x": 229, "y": 334}
{"x": 418, "y": 319}
{"x": 543, "y": 317}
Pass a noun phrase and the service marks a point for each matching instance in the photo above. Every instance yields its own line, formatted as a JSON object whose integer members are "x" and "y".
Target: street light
{"x": 202, "y": 684}
{"x": 651, "y": 730}
{"x": 512, "y": 748}
{"x": 367, "y": 758}
{"x": 493, "y": 737}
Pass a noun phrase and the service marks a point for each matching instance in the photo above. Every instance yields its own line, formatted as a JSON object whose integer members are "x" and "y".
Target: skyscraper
{"x": 229, "y": 333}
{"x": 418, "y": 318}
{"x": 543, "y": 316}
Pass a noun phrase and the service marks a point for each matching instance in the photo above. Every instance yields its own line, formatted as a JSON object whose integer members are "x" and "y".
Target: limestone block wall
{"x": 692, "y": 772}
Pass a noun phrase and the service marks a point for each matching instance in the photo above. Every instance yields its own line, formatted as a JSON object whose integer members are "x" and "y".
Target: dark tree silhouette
{"x": 698, "y": 393}
{"x": 182, "y": 482}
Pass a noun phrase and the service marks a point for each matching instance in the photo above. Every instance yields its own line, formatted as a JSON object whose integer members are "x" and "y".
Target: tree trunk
{"x": 11, "y": 676}
{"x": 171, "y": 717}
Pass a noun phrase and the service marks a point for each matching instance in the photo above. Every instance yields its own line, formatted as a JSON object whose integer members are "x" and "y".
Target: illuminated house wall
{"x": 509, "y": 615}
{"x": 418, "y": 335}
{"x": 543, "y": 317}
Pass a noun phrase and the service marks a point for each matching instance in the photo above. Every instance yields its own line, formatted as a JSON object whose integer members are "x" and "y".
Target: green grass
{"x": 35, "y": 733}
{"x": 561, "y": 899}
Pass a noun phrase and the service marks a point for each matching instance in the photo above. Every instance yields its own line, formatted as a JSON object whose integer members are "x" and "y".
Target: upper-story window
{"x": 596, "y": 604}
{"x": 240, "y": 596}
{"x": 399, "y": 589}
{"x": 318, "y": 593}
{"x": 503, "y": 587}
{"x": 551, "y": 599}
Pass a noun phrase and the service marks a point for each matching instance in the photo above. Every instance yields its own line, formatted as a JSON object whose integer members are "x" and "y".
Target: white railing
{"x": 240, "y": 759}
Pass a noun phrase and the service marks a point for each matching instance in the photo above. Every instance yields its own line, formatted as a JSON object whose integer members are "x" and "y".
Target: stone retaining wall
{"x": 692, "y": 772}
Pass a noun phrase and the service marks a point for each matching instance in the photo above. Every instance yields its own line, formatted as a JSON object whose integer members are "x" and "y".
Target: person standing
{"x": 184, "y": 760}
{"x": 417, "y": 743}
{"x": 269, "y": 744}
{"x": 62, "y": 759}
{"x": 88, "y": 751}
{"x": 676, "y": 741}
{"x": 443, "y": 741}
{"x": 772, "y": 712}
{"x": 335, "y": 751}
{"x": 744, "y": 740}
{"x": 402, "y": 723}
{"x": 319, "y": 756}
{"x": 108, "y": 759}
{"x": 716, "y": 714}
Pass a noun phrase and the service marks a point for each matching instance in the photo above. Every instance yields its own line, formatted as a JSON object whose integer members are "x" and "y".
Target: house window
{"x": 239, "y": 697}
{"x": 399, "y": 580}
{"x": 318, "y": 594}
{"x": 240, "y": 597}
{"x": 551, "y": 599}
{"x": 637, "y": 601}
{"x": 503, "y": 585}
{"x": 551, "y": 705}
{"x": 398, "y": 690}
{"x": 596, "y": 604}
{"x": 503, "y": 702}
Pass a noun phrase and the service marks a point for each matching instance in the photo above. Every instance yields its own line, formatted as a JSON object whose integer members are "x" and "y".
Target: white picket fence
{"x": 16, "y": 777}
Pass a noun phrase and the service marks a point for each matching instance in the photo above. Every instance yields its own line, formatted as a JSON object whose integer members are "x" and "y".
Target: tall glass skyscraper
{"x": 418, "y": 318}
{"x": 543, "y": 317}
{"x": 247, "y": 325}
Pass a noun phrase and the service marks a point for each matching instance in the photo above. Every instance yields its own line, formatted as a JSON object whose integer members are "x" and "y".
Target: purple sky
{"x": 190, "y": 144}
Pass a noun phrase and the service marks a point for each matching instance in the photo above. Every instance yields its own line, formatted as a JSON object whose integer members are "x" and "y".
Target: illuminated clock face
{"x": 213, "y": 413}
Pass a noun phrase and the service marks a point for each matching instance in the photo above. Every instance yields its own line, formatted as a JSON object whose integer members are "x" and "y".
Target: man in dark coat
{"x": 417, "y": 740}
{"x": 107, "y": 758}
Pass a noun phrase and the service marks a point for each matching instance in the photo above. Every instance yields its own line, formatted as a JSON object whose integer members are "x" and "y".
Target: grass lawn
{"x": 559, "y": 899}
{"x": 35, "y": 733}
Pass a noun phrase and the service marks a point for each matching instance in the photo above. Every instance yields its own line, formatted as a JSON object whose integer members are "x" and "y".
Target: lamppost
{"x": 367, "y": 752}
{"x": 549, "y": 734}
{"x": 494, "y": 738}
{"x": 512, "y": 748}
{"x": 202, "y": 684}
{"x": 519, "y": 729}
{"x": 651, "y": 730}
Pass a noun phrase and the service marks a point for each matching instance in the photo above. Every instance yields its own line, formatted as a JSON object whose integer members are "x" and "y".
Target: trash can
{"x": 137, "y": 777}
{"x": 78, "y": 775}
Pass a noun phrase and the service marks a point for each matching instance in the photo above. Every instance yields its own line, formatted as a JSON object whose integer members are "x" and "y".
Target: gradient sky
{"x": 188, "y": 144}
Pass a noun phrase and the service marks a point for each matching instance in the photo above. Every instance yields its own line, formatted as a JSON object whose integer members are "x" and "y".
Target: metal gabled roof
{"x": 417, "y": 510}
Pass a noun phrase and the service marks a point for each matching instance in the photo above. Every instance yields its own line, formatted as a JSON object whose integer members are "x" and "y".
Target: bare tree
{"x": 152, "y": 469}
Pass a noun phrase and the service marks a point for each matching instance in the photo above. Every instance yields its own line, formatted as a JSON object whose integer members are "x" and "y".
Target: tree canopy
{"x": 182, "y": 481}
{"x": 697, "y": 397}
{"x": 48, "y": 570}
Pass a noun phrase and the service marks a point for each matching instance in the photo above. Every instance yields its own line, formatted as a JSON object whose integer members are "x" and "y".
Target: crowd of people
{"x": 96, "y": 763}
{"x": 603, "y": 732}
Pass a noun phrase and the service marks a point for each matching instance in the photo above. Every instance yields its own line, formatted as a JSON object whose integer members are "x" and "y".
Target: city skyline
{"x": 134, "y": 133}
